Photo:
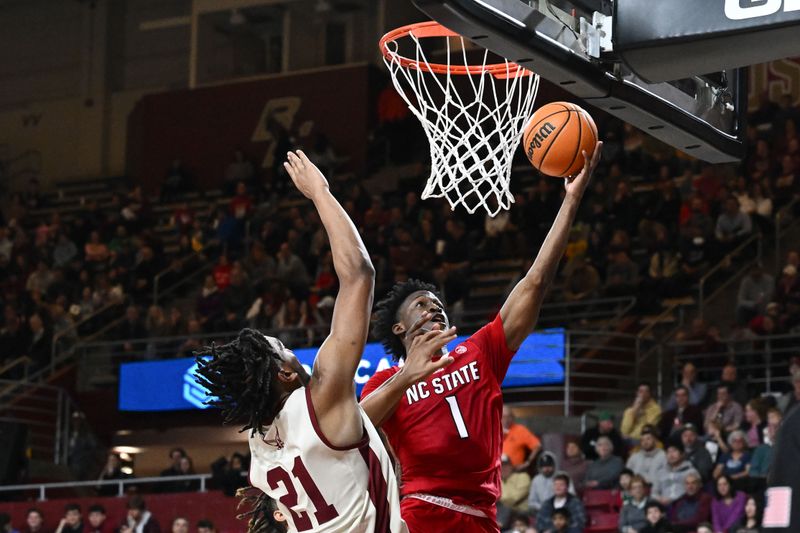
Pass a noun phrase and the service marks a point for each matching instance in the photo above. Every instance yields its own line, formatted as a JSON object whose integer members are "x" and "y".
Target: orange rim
{"x": 423, "y": 30}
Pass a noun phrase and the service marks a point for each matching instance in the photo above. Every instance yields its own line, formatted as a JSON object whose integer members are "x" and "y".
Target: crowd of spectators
{"x": 698, "y": 461}
{"x": 137, "y": 519}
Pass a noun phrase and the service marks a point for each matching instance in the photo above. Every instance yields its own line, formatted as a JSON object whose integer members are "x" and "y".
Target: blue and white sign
{"x": 170, "y": 385}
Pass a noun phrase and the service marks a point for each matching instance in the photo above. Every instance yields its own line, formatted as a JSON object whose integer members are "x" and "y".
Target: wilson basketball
{"x": 556, "y": 136}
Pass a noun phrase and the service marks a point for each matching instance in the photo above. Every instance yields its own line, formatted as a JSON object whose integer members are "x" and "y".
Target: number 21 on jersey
{"x": 325, "y": 512}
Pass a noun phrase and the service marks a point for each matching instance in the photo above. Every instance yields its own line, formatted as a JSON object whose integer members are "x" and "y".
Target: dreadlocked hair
{"x": 260, "y": 518}
{"x": 239, "y": 377}
{"x": 386, "y": 314}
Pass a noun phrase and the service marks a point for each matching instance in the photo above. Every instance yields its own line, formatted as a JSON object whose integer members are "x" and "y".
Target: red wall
{"x": 193, "y": 506}
{"x": 204, "y": 126}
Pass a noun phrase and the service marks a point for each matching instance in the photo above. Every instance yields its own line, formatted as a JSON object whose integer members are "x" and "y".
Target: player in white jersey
{"x": 314, "y": 451}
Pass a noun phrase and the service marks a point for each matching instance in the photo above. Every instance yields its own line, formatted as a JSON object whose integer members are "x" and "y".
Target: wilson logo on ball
{"x": 540, "y": 136}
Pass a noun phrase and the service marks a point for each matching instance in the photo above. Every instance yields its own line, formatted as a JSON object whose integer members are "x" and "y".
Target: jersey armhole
{"x": 362, "y": 442}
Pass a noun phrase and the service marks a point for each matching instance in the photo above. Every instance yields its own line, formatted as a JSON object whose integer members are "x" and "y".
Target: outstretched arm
{"x": 332, "y": 386}
{"x": 521, "y": 310}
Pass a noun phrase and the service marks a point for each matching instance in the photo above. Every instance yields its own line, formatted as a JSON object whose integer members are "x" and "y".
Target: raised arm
{"x": 332, "y": 386}
{"x": 521, "y": 310}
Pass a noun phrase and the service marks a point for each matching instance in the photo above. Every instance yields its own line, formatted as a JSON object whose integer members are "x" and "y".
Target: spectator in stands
{"x": 622, "y": 275}
{"x": 644, "y": 411}
{"x": 670, "y": 483}
{"x": 734, "y": 464}
{"x": 725, "y": 410}
{"x": 542, "y": 485}
{"x": 185, "y": 468}
{"x": 605, "y": 427}
{"x": 40, "y": 343}
{"x": 732, "y": 225}
{"x": 291, "y": 271}
{"x": 231, "y": 474}
{"x": 575, "y": 465}
{"x": 514, "y": 491}
{"x": 130, "y": 329}
{"x": 624, "y": 485}
{"x": 694, "y": 507}
{"x": 762, "y": 455}
{"x": 40, "y": 279}
{"x": 694, "y": 251}
{"x": 650, "y": 461}
{"x": 112, "y": 470}
{"x": 180, "y": 525}
{"x": 656, "y": 520}
{"x": 175, "y": 456}
{"x": 206, "y": 526}
{"x": 258, "y": 264}
{"x": 453, "y": 272}
{"x": 632, "y": 516}
{"x": 582, "y": 281}
{"x": 727, "y": 508}
{"x": 98, "y": 520}
{"x": 664, "y": 267}
{"x": 95, "y": 251}
{"x": 241, "y": 204}
{"x": 787, "y": 182}
{"x": 755, "y": 292}
{"x": 603, "y": 472}
{"x": 520, "y": 445}
{"x": 72, "y": 521}
{"x": 791, "y": 398}
{"x": 730, "y": 377}
{"x": 193, "y": 342}
{"x": 144, "y": 271}
{"x": 751, "y": 521}
{"x": 34, "y": 521}
{"x": 696, "y": 452}
{"x": 5, "y": 524}
{"x": 240, "y": 170}
{"x": 139, "y": 519}
{"x": 673, "y": 420}
{"x": 562, "y": 499}
{"x": 754, "y": 425}
{"x": 236, "y": 300}
{"x": 209, "y": 305}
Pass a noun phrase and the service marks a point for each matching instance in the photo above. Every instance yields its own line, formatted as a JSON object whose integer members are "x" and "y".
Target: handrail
{"x": 161, "y": 274}
{"x": 24, "y": 359}
{"x": 782, "y": 212}
{"x": 723, "y": 263}
{"x": 120, "y": 483}
{"x": 74, "y": 327}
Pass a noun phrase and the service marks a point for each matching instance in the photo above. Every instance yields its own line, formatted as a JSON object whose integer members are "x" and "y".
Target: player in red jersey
{"x": 441, "y": 412}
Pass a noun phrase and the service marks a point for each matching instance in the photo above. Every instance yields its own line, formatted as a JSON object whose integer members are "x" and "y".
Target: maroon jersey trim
{"x": 364, "y": 441}
{"x": 378, "y": 490}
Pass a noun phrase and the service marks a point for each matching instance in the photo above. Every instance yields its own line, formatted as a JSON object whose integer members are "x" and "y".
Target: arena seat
{"x": 607, "y": 500}
{"x": 602, "y": 523}
{"x": 193, "y": 506}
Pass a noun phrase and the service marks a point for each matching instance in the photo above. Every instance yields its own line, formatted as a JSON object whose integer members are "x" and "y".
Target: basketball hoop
{"x": 473, "y": 128}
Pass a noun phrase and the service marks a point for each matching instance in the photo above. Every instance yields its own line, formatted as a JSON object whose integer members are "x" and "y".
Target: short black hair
{"x": 35, "y": 510}
{"x": 654, "y": 503}
{"x": 72, "y": 507}
{"x": 179, "y": 450}
{"x": 563, "y": 477}
{"x": 627, "y": 471}
{"x": 136, "y": 502}
{"x": 645, "y": 384}
{"x": 678, "y": 445}
{"x": 97, "y": 508}
{"x": 206, "y": 523}
{"x": 386, "y": 314}
{"x": 563, "y": 511}
{"x": 239, "y": 378}
{"x": 683, "y": 388}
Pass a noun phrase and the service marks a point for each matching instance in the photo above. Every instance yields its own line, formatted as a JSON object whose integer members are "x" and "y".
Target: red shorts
{"x": 424, "y": 517}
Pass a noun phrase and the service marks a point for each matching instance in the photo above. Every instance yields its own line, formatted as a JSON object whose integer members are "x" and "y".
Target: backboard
{"x": 702, "y": 115}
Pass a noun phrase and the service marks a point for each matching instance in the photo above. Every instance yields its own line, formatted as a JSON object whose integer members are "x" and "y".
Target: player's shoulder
{"x": 378, "y": 378}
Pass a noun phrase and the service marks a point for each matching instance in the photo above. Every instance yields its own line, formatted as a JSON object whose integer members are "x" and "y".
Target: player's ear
{"x": 398, "y": 328}
{"x": 286, "y": 374}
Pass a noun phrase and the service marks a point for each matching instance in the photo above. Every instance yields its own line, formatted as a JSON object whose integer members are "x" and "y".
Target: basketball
{"x": 556, "y": 136}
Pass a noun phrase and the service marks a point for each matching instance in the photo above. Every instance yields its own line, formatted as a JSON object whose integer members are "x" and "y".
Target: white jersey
{"x": 320, "y": 487}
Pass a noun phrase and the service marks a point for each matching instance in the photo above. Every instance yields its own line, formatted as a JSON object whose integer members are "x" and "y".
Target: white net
{"x": 472, "y": 121}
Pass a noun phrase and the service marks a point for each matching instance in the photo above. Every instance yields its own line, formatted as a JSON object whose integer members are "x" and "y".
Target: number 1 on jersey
{"x": 457, "y": 418}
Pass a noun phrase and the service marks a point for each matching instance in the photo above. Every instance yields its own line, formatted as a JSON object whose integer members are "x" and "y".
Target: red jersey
{"x": 446, "y": 431}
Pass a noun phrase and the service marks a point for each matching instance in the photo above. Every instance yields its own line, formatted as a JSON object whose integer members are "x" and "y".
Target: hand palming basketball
{"x": 306, "y": 176}
{"x": 577, "y": 184}
{"x": 557, "y": 136}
